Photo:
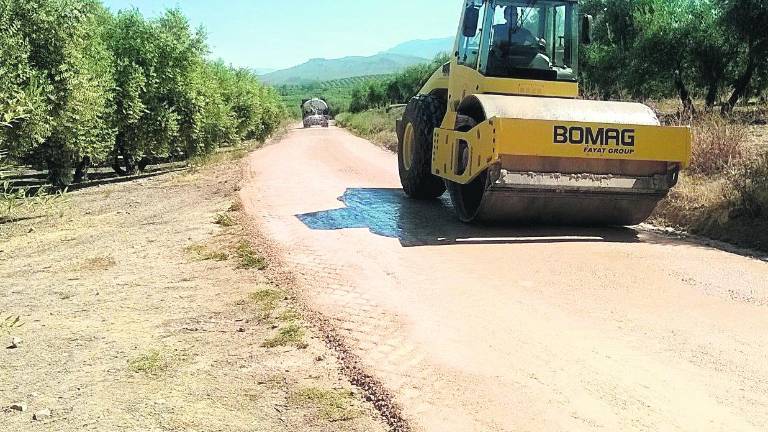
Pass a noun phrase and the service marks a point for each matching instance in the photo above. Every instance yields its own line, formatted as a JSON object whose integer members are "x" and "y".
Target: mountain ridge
{"x": 386, "y": 62}
{"x": 426, "y": 48}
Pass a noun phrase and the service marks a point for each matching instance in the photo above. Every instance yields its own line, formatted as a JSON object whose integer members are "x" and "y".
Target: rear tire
{"x": 422, "y": 115}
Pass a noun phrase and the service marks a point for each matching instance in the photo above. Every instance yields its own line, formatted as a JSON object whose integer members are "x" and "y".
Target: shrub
{"x": 376, "y": 125}
{"x": 749, "y": 187}
{"x": 398, "y": 88}
{"x": 61, "y": 82}
{"x": 718, "y": 144}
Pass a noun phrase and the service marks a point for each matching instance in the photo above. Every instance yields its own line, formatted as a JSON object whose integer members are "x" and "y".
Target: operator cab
{"x": 525, "y": 39}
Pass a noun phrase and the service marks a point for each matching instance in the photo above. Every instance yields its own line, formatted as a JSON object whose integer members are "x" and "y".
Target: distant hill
{"x": 262, "y": 71}
{"x": 325, "y": 70}
{"x": 425, "y": 48}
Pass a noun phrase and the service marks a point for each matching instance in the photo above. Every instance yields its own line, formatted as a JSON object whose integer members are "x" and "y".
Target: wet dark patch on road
{"x": 389, "y": 213}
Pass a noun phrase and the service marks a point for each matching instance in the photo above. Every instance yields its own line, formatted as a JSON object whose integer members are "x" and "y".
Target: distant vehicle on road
{"x": 315, "y": 112}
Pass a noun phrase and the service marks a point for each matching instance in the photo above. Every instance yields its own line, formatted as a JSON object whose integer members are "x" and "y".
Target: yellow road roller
{"x": 502, "y": 128}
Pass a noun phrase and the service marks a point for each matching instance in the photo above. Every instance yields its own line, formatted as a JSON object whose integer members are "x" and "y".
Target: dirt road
{"x": 514, "y": 329}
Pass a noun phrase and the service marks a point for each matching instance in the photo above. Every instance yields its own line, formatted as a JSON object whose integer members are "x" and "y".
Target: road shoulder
{"x": 146, "y": 306}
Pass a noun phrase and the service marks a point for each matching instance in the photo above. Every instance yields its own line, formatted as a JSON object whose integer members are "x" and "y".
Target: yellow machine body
{"x": 543, "y": 119}
{"x": 547, "y": 127}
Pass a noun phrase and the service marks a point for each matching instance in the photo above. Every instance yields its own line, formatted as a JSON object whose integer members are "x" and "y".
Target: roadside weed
{"x": 268, "y": 301}
{"x": 292, "y": 335}
{"x": 331, "y": 405}
{"x": 203, "y": 253}
{"x": 224, "y": 220}
{"x": 249, "y": 258}
{"x": 152, "y": 363}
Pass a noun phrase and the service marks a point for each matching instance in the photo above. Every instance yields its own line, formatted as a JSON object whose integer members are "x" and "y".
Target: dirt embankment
{"x": 144, "y": 308}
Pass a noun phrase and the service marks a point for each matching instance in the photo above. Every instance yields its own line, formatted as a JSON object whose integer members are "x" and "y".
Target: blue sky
{"x": 273, "y": 33}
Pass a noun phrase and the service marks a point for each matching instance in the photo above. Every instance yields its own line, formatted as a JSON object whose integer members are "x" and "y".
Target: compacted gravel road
{"x": 513, "y": 329}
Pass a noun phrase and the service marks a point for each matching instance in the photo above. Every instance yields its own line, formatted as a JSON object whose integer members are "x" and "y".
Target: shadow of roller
{"x": 389, "y": 213}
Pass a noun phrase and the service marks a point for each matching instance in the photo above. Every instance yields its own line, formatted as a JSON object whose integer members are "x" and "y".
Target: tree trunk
{"x": 116, "y": 165}
{"x": 81, "y": 171}
{"x": 59, "y": 173}
{"x": 685, "y": 95}
{"x": 119, "y": 149}
{"x": 143, "y": 163}
{"x": 129, "y": 164}
{"x": 741, "y": 85}
{"x": 712, "y": 89}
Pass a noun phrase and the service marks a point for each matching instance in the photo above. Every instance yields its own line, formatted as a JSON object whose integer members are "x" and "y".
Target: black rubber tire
{"x": 467, "y": 198}
{"x": 425, "y": 113}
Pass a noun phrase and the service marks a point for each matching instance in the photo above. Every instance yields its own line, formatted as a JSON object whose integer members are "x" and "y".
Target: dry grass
{"x": 719, "y": 144}
{"x": 224, "y": 220}
{"x": 223, "y": 155}
{"x": 17, "y": 202}
{"x": 10, "y": 323}
{"x": 99, "y": 263}
{"x": 289, "y": 315}
{"x": 712, "y": 207}
{"x": 237, "y": 205}
{"x": 749, "y": 187}
{"x": 268, "y": 301}
{"x": 201, "y": 252}
{"x": 695, "y": 199}
{"x": 331, "y": 405}
{"x": 290, "y": 335}
{"x": 152, "y": 363}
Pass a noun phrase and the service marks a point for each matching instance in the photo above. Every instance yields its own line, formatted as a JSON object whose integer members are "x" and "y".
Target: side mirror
{"x": 471, "y": 21}
{"x": 586, "y": 29}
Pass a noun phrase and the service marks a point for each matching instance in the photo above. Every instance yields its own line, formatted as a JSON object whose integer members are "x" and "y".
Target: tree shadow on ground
{"x": 389, "y": 213}
{"x": 5, "y": 220}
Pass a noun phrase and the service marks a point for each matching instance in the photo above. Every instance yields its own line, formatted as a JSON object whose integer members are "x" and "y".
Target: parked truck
{"x": 315, "y": 112}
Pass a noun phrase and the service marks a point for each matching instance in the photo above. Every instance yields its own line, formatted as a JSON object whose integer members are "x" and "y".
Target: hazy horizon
{"x": 340, "y": 28}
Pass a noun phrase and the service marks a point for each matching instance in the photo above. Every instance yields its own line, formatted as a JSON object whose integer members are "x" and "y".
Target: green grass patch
{"x": 204, "y": 253}
{"x": 289, "y": 316}
{"x": 152, "y": 363}
{"x": 16, "y": 203}
{"x": 291, "y": 335}
{"x": 331, "y": 405}
{"x": 267, "y": 300}
{"x": 376, "y": 125}
{"x": 224, "y": 220}
{"x": 249, "y": 258}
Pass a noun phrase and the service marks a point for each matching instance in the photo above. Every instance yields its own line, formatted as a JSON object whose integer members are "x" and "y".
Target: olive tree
{"x": 22, "y": 95}
{"x": 64, "y": 99}
{"x": 747, "y": 21}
